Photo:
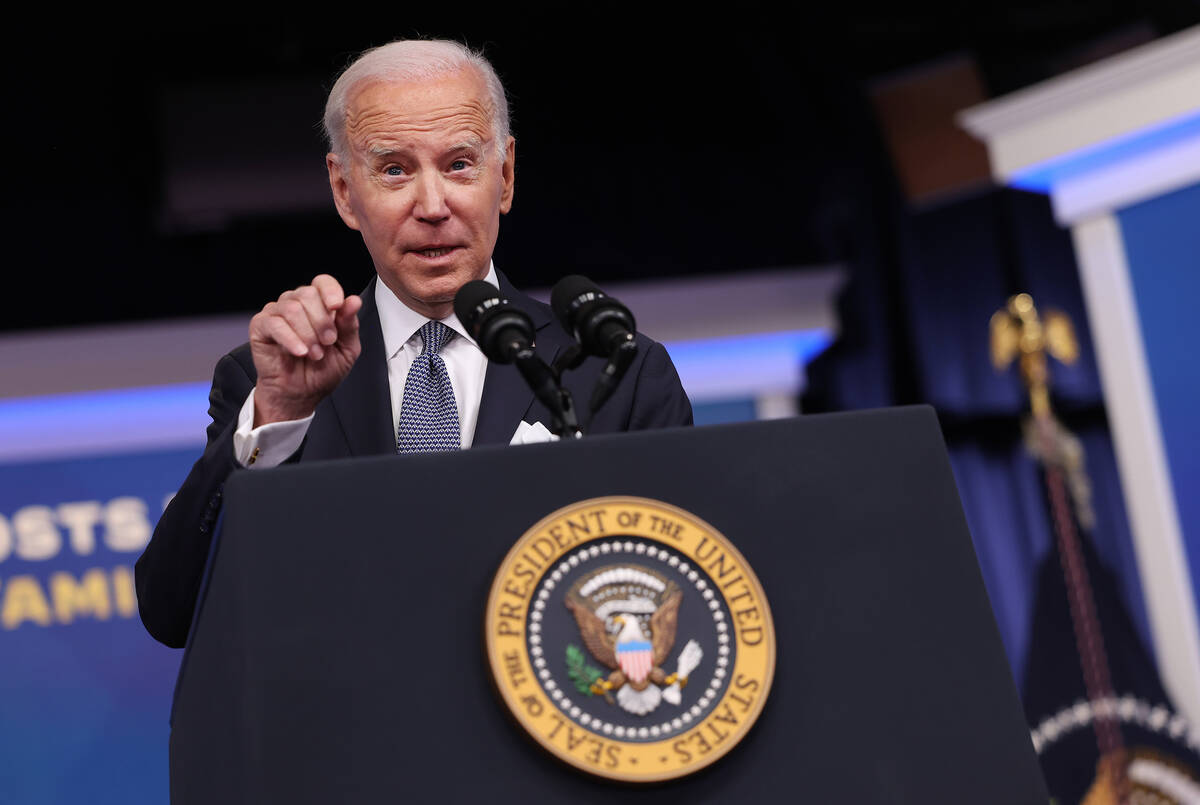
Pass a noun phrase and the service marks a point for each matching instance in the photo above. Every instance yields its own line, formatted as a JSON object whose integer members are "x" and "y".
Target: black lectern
{"x": 337, "y": 652}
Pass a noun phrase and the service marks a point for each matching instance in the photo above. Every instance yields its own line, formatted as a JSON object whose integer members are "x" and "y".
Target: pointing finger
{"x": 330, "y": 290}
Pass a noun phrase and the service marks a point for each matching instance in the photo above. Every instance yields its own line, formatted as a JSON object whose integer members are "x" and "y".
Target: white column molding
{"x": 1149, "y": 87}
{"x": 1141, "y": 458}
{"x": 1129, "y": 181}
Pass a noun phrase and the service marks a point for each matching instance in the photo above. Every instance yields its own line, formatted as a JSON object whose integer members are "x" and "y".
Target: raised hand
{"x": 303, "y": 345}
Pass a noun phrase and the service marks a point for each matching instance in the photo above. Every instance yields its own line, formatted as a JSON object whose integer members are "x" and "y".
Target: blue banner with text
{"x": 86, "y": 691}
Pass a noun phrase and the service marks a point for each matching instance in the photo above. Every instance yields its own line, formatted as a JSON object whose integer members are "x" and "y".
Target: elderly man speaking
{"x": 421, "y": 163}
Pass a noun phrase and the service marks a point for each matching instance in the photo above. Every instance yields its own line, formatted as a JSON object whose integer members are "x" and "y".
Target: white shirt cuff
{"x": 267, "y": 445}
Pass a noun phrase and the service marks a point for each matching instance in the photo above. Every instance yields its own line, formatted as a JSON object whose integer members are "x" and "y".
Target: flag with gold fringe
{"x": 1100, "y": 720}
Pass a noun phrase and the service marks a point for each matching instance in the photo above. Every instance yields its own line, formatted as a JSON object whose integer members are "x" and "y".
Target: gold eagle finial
{"x": 1019, "y": 332}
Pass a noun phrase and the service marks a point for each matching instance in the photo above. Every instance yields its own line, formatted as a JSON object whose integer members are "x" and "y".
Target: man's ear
{"x": 508, "y": 171}
{"x": 340, "y": 186}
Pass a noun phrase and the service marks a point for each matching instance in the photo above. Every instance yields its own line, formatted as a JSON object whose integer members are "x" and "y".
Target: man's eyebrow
{"x": 382, "y": 151}
{"x": 469, "y": 144}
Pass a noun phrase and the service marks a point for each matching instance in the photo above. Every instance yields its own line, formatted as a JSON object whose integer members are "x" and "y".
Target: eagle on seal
{"x": 634, "y": 660}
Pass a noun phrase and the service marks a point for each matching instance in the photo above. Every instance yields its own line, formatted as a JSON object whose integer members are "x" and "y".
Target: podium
{"x": 337, "y": 650}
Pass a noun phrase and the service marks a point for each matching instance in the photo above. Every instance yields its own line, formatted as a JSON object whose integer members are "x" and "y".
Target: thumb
{"x": 346, "y": 317}
{"x": 346, "y": 322}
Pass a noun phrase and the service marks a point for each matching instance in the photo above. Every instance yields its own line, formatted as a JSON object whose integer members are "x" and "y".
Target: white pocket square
{"x": 531, "y": 434}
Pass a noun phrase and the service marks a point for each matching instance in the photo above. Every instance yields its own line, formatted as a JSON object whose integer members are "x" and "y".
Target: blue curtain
{"x": 914, "y": 315}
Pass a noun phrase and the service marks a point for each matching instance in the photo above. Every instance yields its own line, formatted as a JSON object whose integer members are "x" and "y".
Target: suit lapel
{"x": 506, "y": 398}
{"x": 362, "y": 402}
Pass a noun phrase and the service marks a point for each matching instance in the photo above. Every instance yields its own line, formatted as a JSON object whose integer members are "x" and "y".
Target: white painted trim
{"x": 1141, "y": 458}
{"x": 733, "y": 304}
{"x": 1113, "y": 187}
{"x": 154, "y": 353}
{"x": 1131, "y": 92}
{"x": 1133, "y": 68}
{"x": 776, "y": 406}
{"x": 1083, "y": 128}
{"x": 160, "y": 353}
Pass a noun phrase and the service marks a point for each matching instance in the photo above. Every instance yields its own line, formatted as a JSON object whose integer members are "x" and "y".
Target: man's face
{"x": 424, "y": 185}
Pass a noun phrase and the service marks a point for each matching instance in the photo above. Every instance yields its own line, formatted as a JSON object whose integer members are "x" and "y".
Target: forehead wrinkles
{"x": 371, "y": 125}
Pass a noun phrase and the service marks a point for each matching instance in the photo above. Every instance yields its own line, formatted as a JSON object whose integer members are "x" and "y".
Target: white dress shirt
{"x": 465, "y": 363}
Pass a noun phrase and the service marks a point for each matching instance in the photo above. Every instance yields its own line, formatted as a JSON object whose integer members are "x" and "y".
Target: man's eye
{"x": 458, "y": 165}
{"x": 394, "y": 170}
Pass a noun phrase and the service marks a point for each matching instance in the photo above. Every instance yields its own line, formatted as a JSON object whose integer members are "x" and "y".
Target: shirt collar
{"x": 400, "y": 322}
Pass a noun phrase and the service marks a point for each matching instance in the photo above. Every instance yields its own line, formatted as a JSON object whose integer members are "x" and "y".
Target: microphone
{"x": 502, "y": 331}
{"x": 598, "y": 322}
{"x": 602, "y": 326}
{"x": 505, "y": 334}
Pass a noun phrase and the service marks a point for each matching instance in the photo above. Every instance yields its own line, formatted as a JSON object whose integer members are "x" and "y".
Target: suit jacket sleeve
{"x": 659, "y": 400}
{"x": 649, "y": 396}
{"x": 169, "y": 571}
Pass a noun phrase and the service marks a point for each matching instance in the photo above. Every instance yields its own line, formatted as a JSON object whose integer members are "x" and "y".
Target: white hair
{"x": 409, "y": 60}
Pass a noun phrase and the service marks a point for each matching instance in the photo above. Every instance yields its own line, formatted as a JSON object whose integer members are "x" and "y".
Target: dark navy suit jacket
{"x": 356, "y": 420}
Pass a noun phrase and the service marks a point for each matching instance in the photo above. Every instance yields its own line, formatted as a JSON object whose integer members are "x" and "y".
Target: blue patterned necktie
{"x": 428, "y": 413}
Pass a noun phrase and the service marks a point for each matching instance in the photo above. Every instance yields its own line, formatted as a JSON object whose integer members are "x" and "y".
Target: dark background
{"x": 646, "y": 146}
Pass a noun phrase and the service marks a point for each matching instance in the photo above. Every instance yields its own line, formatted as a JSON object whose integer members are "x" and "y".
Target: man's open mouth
{"x": 435, "y": 252}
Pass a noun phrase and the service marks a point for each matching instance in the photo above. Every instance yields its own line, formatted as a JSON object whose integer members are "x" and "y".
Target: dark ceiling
{"x": 175, "y": 169}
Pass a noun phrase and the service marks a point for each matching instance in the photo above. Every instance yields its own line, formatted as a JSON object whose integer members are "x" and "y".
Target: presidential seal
{"x": 630, "y": 639}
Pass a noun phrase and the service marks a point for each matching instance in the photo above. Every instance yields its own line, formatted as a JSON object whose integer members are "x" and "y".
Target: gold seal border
{"x": 706, "y": 741}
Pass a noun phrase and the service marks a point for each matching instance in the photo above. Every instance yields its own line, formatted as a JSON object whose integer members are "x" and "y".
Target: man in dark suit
{"x": 421, "y": 163}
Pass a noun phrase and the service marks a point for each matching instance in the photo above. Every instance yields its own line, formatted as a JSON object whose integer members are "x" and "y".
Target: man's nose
{"x": 431, "y": 204}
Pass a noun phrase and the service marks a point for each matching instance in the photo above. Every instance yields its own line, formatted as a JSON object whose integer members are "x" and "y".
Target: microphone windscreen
{"x": 564, "y": 299}
{"x": 472, "y": 300}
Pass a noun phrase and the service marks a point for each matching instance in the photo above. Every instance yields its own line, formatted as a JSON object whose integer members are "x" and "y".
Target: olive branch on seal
{"x": 582, "y": 674}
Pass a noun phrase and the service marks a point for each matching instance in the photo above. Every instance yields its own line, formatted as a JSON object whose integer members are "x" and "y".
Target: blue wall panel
{"x": 1162, "y": 243}
{"x": 719, "y": 413}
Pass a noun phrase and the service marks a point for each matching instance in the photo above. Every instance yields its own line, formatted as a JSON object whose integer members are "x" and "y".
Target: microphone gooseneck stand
{"x": 546, "y": 382}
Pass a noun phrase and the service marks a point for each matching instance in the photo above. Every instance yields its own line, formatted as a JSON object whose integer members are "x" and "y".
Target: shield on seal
{"x": 635, "y": 654}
